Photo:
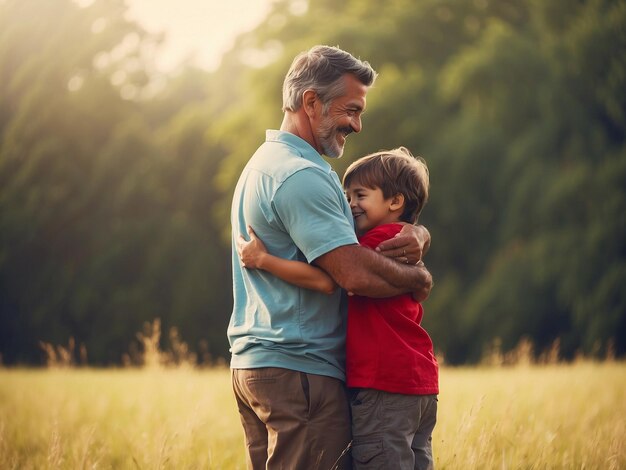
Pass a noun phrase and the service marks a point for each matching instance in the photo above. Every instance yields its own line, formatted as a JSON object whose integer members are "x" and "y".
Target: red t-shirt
{"x": 387, "y": 349}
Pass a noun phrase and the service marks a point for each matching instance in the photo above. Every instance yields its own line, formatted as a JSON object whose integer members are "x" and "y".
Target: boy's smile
{"x": 370, "y": 208}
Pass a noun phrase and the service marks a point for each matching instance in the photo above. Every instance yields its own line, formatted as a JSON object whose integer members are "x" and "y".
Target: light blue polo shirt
{"x": 294, "y": 201}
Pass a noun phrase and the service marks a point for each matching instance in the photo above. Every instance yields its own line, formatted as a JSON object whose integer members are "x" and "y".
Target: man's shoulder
{"x": 280, "y": 161}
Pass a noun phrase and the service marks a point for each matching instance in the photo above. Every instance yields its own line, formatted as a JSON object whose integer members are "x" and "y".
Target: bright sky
{"x": 202, "y": 30}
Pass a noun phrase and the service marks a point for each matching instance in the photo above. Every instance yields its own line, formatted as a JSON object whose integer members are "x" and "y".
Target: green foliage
{"x": 115, "y": 194}
{"x": 105, "y": 202}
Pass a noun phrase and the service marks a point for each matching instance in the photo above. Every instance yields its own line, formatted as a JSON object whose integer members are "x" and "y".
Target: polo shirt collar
{"x": 302, "y": 146}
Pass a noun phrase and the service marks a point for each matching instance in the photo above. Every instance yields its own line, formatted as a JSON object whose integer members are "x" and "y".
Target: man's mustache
{"x": 346, "y": 130}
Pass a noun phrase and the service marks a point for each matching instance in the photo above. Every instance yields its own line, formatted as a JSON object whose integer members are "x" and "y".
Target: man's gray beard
{"x": 331, "y": 153}
{"x": 330, "y": 147}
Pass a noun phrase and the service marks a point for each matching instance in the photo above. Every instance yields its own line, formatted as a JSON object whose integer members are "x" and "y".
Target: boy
{"x": 391, "y": 369}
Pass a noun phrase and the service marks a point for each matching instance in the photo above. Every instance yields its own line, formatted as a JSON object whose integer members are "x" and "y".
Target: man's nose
{"x": 356, "y": 124}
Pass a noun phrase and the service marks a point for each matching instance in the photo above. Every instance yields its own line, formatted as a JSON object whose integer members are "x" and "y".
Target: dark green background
{"x": 115, "y": 192}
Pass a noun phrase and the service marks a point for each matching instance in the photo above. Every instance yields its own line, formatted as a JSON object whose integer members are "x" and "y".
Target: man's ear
{"x": 397, "y": 202}
{"x": 309, "y": 99}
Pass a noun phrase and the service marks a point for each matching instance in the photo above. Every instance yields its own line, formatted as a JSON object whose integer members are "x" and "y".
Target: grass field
{"x": 548, "y": 417}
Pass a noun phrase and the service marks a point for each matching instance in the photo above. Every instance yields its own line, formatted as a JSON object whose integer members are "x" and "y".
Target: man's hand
{"x": 408, "y": 246}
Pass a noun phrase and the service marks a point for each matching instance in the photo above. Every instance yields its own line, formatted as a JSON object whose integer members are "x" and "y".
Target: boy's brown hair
{"x": 394, "y": 171}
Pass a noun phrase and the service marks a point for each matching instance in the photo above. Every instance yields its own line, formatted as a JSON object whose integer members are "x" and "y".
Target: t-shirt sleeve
{"x": 311, "y": 208}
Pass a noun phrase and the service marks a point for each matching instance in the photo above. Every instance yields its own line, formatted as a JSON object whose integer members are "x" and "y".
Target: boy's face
{"x": 370, "y": 208}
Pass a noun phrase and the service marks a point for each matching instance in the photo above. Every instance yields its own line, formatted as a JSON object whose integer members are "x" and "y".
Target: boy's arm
{"x": 254, "y": 255}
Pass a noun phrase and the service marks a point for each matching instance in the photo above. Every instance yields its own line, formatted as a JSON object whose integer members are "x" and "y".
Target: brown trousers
{"x": 293, "y": 420}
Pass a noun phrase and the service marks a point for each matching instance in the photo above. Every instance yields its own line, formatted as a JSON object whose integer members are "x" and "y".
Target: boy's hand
{"x": 251, "y": 253}
{"x": 408, "y": 246}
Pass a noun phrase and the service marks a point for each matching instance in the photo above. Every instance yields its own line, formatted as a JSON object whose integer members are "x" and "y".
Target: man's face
{"x": 342, "y": 118}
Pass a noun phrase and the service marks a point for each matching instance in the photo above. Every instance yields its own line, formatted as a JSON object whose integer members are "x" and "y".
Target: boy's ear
{"x": 397, "y": 202}
{"x": 309, "y": 99}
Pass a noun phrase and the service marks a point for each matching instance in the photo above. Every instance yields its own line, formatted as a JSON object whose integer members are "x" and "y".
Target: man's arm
{"x": 364, "y": 272}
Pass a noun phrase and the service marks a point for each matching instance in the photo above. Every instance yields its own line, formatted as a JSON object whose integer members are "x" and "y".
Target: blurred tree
{"x": 518, "y": 107}
{"x": 58, "y": 110}
{"x": 105, "y": 202}
{"x": 115, "y": 183}
{"x": 553, "y": 261}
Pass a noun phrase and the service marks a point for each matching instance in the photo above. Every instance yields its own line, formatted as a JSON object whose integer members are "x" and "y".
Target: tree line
{"x": 115, "y": 180}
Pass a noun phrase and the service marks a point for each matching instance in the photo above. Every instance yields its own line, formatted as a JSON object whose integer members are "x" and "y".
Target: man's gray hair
{"x": 320, "y": 69}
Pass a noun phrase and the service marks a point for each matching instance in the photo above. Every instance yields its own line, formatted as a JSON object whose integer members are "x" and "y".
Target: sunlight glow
{"x": 261, "y": 57}
{"x": 99, "y": 25}
{"x": 75, "y": 83}
{"x": 198, "y": 32}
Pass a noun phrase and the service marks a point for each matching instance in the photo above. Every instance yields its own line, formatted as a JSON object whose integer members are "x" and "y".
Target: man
{"x": 287, "y": 343}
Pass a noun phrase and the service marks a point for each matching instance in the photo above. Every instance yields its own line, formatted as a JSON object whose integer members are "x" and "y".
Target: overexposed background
{"x": 197, "y": 31}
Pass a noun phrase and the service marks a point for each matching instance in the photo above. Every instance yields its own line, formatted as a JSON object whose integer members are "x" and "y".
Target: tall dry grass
{"x": 533, "y": 417}
{"x": 562, "y": 416}
{"x": 518, "y": 410}
{"x": 117, "y": 419}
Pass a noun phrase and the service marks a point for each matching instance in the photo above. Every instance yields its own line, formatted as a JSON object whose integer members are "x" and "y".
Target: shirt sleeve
{"x": 313, "y": 210}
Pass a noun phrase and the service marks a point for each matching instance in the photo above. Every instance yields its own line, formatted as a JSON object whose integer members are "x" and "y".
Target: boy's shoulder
{"x": 372, "y": 238}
